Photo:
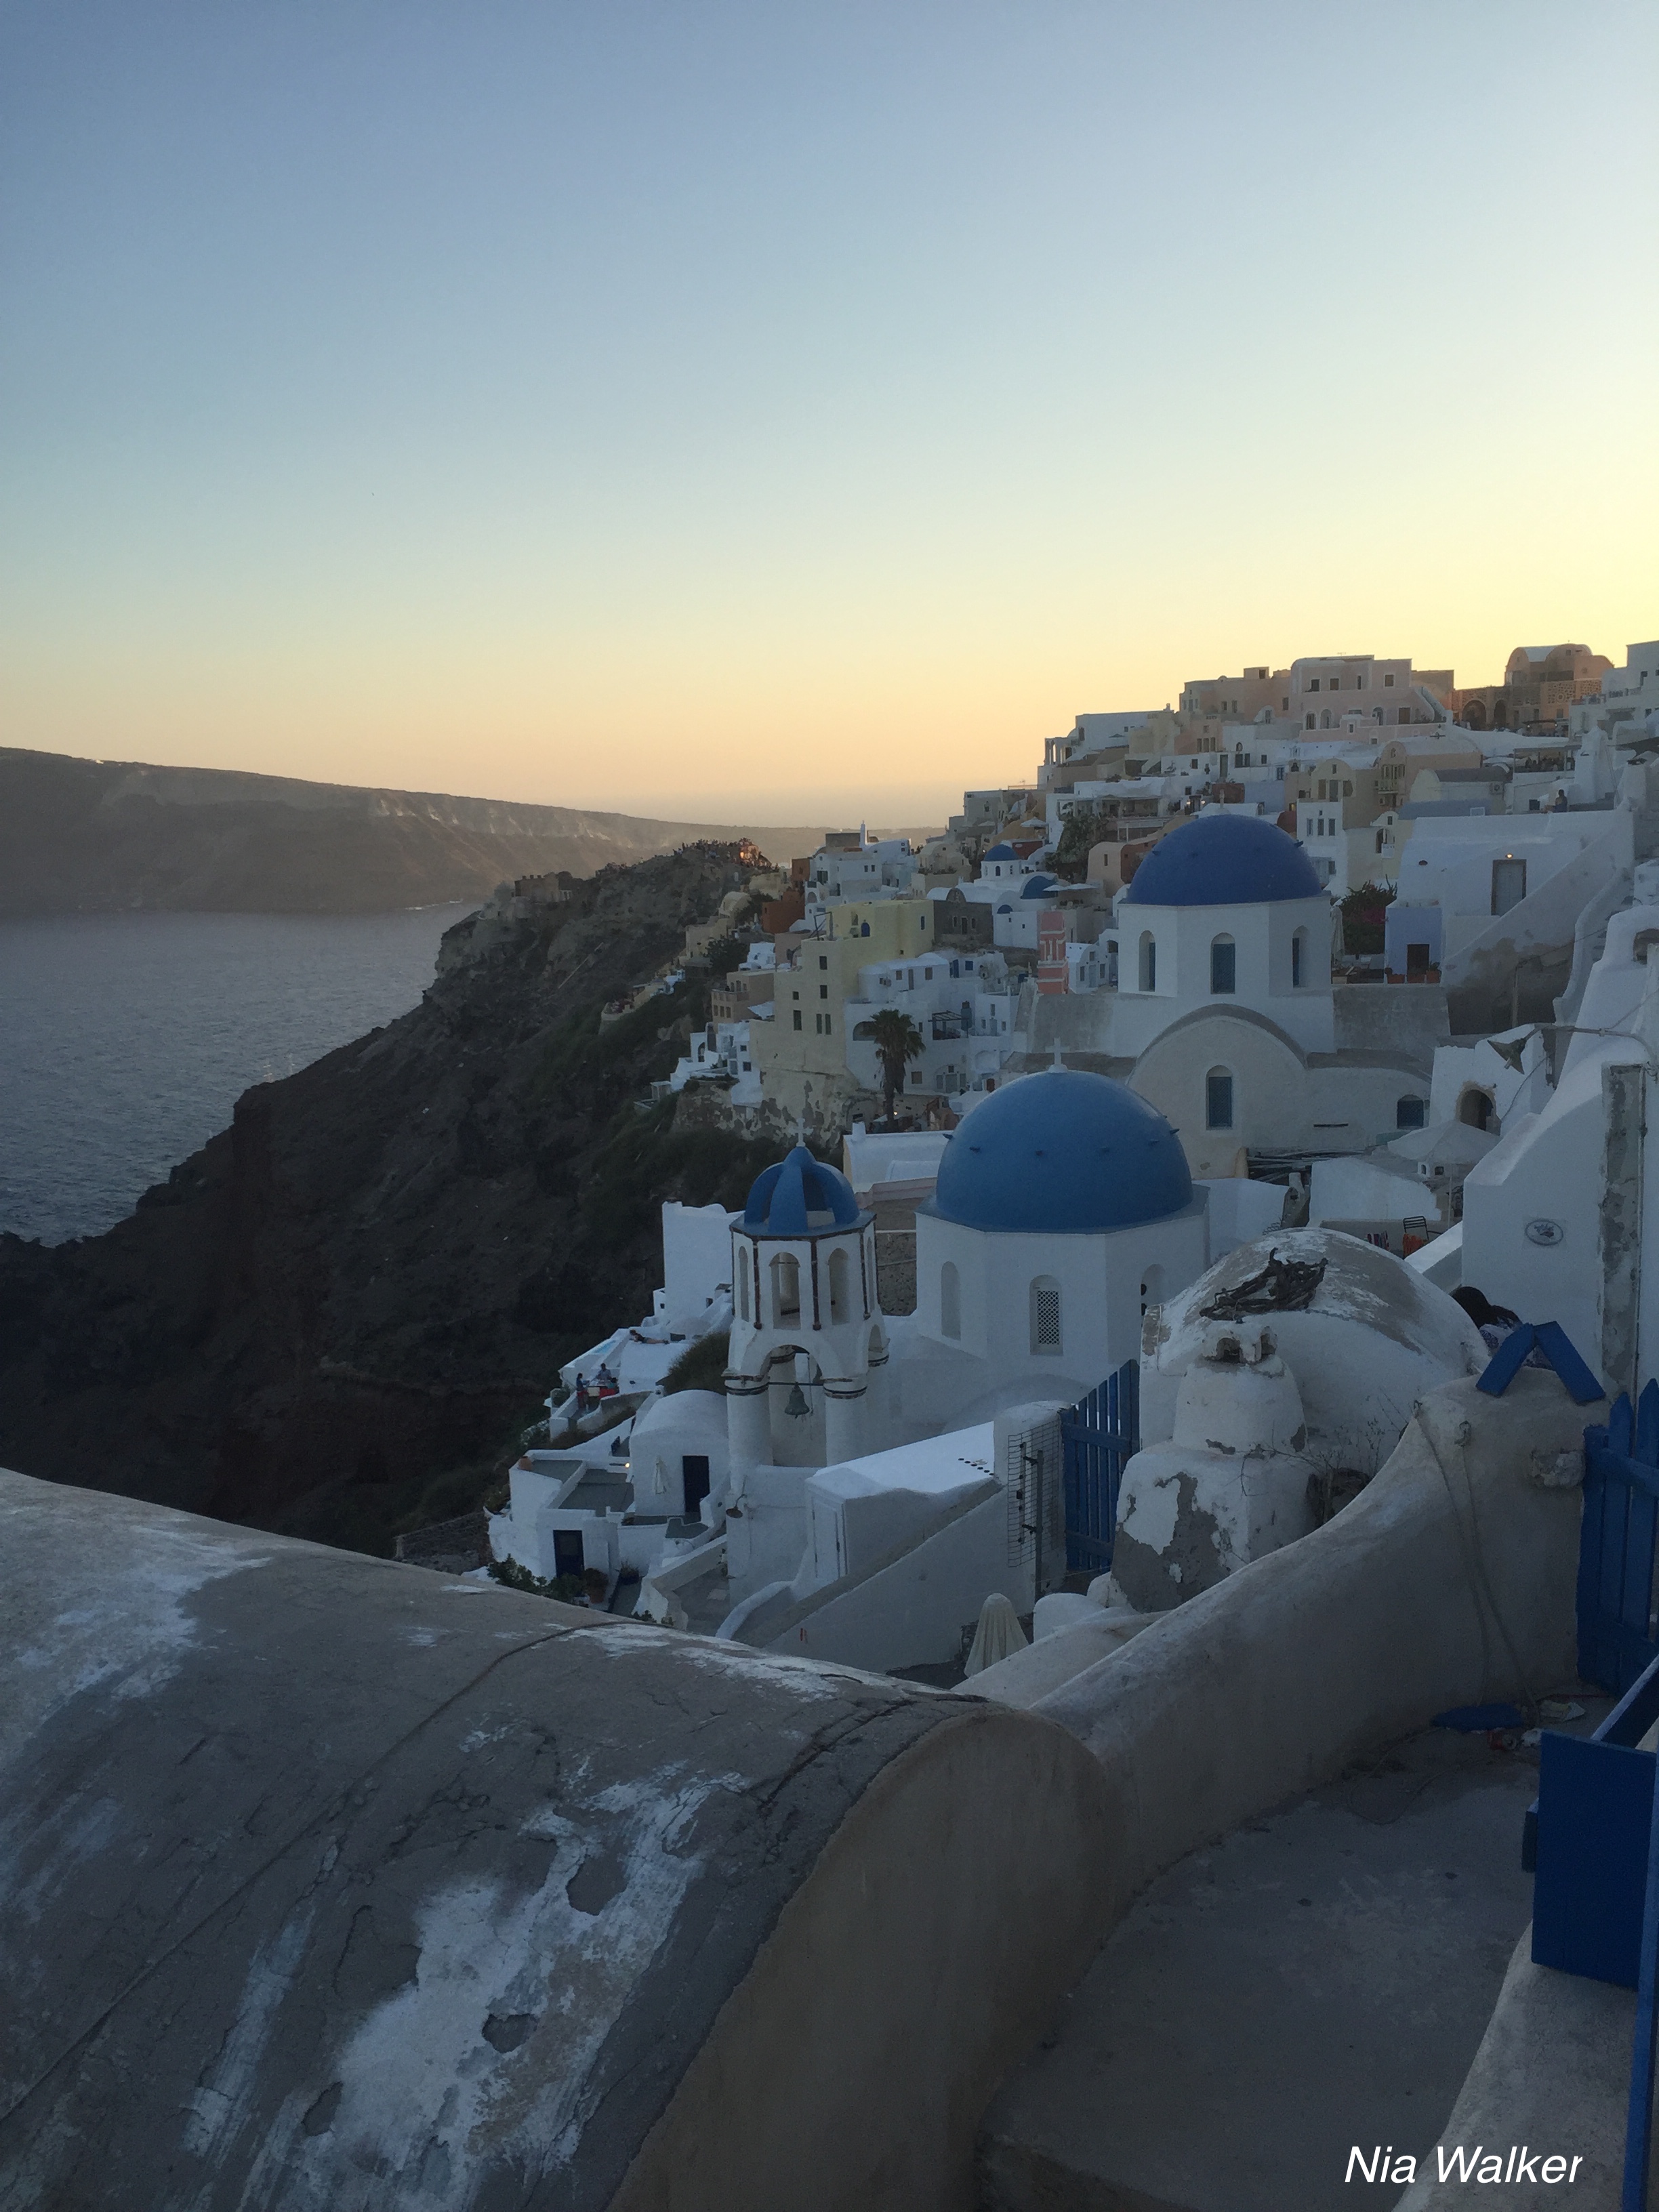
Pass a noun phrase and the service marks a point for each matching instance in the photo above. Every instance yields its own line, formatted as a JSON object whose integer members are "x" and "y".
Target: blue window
{"x": 1224, "y": 966}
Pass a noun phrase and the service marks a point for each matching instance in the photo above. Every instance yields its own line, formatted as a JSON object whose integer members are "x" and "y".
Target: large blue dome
{"x": 1225, "y": 860}
{"x": 1062, "y": 1150}
{"x": 797, "y": 1195}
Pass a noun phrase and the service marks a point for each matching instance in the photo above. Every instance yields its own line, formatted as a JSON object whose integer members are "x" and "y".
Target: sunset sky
{"x": 791, "y": 409}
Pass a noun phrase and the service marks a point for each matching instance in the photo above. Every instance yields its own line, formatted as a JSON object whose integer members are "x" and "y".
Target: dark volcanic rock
{"x": 334, "y": 1319}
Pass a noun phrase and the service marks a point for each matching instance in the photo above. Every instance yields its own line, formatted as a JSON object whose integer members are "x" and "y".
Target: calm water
{"x": 125, "y": 1039}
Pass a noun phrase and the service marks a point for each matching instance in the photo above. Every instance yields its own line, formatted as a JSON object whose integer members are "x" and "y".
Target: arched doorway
{"x": 1476, "y": 1109}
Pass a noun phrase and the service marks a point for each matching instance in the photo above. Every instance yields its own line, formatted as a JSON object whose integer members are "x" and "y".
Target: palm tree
{"x": 897, "y": 1042}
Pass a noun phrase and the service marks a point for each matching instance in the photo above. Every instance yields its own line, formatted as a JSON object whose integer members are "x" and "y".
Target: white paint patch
{"x": 427, "y": 2104}
{"x": 218, "y": 2106}
{"x": 130, "y": 1634}
{"x": 799, "y": 1677}
{"x": 1149, "y": 1510}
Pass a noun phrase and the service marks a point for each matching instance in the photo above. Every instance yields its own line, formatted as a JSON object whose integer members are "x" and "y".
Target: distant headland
{"x": 103, "y": 836}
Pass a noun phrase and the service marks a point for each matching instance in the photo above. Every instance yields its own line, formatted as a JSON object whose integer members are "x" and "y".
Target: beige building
{"x": 1401, "y": 761}
{"x": 801, "y": 1055}
{"x": 1208, "y": 704}
{"x": 1327, "y": 691}
{"x": 1541, "y": 685}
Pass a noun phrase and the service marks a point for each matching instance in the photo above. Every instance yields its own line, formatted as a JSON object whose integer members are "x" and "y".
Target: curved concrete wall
{"x": 1448, "y": 1581}
{"x": 329, "y": 1883}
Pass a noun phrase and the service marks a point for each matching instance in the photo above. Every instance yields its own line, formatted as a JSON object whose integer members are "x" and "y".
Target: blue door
{"x": 1098, "y": 1437}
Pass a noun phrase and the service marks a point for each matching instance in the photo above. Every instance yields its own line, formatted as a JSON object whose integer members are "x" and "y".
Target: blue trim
{"x": 1552, "y": 1340}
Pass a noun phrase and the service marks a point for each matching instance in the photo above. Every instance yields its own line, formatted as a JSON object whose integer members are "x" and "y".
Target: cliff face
{"x": 80, "y": 837}
{"x": 334, "y": 1318}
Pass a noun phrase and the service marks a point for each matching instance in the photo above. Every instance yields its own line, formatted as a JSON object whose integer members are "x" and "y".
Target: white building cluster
{"x": 1159, "y": 1117}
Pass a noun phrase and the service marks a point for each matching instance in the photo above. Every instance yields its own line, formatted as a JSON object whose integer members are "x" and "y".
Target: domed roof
{"x": 1001, "y": 853}
{"x": 799, "y": 1194}
{"x": 1223, "y": 859}
{"x": 1039, "y": 887}
{"x": 1062, "y": 1150}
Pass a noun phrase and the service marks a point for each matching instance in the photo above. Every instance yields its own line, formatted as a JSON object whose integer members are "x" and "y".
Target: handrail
{"x": 1639, "y": 2127}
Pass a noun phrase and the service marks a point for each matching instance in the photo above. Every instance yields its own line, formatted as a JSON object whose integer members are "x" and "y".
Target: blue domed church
{"x": 1225, "y": 1016}
{"x": 1064, "y": 1208}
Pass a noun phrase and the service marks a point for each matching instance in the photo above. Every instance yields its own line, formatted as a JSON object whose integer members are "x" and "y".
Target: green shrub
{"x": 567, "y": 1588}
{"x": 700, "y": 1366}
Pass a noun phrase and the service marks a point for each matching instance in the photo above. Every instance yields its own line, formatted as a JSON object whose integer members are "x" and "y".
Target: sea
{"x": 126, "y": 1039}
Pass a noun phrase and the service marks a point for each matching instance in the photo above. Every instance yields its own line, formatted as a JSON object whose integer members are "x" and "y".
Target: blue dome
{"x": 1225, "y": 860}
{"x": 1038, "y": 887}
{"x": 1001, "y": 853}
{"x": 1062, "y": 1150}
{"x": 797, "y": 1195}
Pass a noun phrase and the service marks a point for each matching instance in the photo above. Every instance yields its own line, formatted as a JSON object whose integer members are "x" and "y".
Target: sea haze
{"x": 126, "y": 1039}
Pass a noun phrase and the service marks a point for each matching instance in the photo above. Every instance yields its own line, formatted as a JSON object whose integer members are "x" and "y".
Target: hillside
{"x": 334, "y": 1318}
{"x": 83, "y": 836}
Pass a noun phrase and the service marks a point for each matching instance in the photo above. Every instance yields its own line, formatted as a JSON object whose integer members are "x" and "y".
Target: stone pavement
{"x": 1319, "y": 1978}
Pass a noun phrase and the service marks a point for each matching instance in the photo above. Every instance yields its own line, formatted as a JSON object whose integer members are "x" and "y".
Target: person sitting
{"x": 1494, "y": 1322}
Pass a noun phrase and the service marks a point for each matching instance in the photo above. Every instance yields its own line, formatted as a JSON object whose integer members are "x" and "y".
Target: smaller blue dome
{"x": 1225, "y": 860}
{"x": 799, "y": 1194}
{"x": 1001, "y": 853}
{"x": 1038, "y": 887}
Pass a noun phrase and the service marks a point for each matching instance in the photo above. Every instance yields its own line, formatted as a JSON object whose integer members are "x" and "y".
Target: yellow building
{"x": 801, "y": 1055}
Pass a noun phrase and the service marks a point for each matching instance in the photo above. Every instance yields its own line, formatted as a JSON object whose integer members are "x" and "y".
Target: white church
{"x": 1227, "y": 1016}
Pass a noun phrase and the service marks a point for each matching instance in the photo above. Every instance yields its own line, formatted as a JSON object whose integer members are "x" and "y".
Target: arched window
{"x": 950, "y": 1300}
{"x": 742, "y": 1290}
{"x": 1148, "y": 961}
{"x": 1325, "y": 720}
{"x": 841, "y": 1295}
{"x": 786, "y": 1289}
{"x": 863, "y": 929}
{"x": 1410, "y": 1113}
{"x": 1217, "y": 1099}
{"x": 1045, "y": 1314}
{"x": 1298, "y": 958}
{"x": 863, "y": 1031}
{"x": 1312, "y": 725}
{"x": 1224, "y": 965}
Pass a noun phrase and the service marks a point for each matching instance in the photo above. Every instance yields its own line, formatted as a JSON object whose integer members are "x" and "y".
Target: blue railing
{"x": 1595, "y": 1841}
{"x": 1099, "y": 1436}
{"x": 1616, "y": 1625}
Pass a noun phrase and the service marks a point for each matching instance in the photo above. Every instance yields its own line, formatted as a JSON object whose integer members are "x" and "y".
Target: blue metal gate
{"x": 1616, "y": 1639}
{"x": 1098, "y": 1436}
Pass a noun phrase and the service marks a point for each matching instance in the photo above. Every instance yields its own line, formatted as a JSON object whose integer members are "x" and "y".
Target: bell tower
{"x": 805, "y": 1327}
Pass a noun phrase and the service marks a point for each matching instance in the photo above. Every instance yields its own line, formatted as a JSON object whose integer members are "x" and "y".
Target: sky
{"x": 784, "y": 410}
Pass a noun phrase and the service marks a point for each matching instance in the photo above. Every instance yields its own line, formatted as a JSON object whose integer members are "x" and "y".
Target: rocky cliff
{"x": 335, "y": 1318}
{"x": 83, "y": 836}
